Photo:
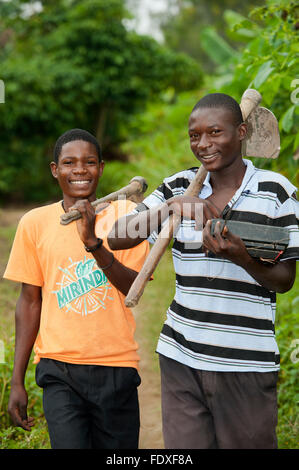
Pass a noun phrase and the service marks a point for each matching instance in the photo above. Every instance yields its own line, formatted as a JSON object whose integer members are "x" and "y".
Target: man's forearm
{"x": 129, "y": 231}
{"x": 118, "y": 274}
{"x": 278, "y": 278}
{"x": 27, "y": 326}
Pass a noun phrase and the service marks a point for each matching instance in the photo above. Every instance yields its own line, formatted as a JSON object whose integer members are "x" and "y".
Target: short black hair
{"x": 75, "y": 134}
{"x": 221, "y": 100}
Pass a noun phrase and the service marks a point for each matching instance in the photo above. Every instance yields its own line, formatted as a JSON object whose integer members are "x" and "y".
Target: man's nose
{"x": 204, "y": 142}
{"x": 80, "y": 168}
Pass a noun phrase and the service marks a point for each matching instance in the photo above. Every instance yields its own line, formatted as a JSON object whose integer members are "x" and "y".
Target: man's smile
{"x": 80, "y": 182}
{"x": 209, "y": 156}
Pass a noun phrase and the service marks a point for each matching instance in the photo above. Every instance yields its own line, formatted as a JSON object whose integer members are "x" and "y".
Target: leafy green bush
{"x": 287, "y": 334}
{"x": 269, "y": 63}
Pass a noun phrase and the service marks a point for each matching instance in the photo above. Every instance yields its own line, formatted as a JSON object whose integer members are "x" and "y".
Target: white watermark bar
{"x": 188, "y": 232}
{"x": 2, "y": 92}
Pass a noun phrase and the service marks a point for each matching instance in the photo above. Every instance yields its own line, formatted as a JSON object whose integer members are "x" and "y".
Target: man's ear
{"x": 242, "y": 130}
{"x": 102, "y": 165}
{"x": 53, "y": 166}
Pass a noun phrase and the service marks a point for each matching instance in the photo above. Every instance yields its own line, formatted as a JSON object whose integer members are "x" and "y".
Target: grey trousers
{"x": 217, "y": 410}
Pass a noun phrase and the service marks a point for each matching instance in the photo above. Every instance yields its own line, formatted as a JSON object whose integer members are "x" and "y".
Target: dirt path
{"x": 11, "y": 216}
{"x": 149, "y": 390}
{"x": 149, "y": 398}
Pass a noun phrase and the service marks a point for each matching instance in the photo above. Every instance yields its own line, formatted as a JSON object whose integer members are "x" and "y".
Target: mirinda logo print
{"x": 83, "y": 287}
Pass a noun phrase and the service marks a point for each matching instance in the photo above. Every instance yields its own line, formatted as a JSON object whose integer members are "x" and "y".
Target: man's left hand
{"x": 86, "y": 225}
{"x": 225, "y": 245}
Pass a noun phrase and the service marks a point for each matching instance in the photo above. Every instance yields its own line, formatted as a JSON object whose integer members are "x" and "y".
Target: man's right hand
{"x": 185, "y": 206}
{"x": 17, "y": 407}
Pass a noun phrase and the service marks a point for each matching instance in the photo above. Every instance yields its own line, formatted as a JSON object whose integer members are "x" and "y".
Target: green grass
{"x": 153, "y": 304}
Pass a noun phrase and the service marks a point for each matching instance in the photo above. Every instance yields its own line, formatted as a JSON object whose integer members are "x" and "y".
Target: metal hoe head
{"x": 263, "y": 138}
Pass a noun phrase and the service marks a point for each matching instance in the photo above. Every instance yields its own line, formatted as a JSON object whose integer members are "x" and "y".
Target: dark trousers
{"x": 90, "y": 407}
{"x": 217, "y": 410}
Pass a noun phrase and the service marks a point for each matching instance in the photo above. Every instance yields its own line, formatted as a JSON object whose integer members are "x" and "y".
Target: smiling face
{"x": 78, "y": 171}
{"x": 215, "y": 139}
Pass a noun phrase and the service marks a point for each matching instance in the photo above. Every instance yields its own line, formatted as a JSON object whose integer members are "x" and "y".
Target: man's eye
{"x": 215, "y": 131}
{"x": 194, "y": 136}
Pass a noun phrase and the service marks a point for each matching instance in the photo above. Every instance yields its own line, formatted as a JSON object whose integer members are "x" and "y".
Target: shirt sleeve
{"x": 288, "y": 217}
{"x": 159, "y": 196}
{"x": 134, "y": 257}
{"x": 23, "y": 264}
{"x": 156, "y": 198}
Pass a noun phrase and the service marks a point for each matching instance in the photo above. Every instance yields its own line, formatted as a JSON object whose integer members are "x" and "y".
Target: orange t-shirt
{"x": 84, "y": 319}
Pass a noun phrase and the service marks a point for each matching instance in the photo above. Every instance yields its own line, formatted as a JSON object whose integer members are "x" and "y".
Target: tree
{"x": 186, "y": 19}
{"x": 74, "y": 64}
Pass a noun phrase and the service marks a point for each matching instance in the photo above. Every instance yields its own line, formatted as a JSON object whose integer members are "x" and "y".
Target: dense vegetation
{"x": 60, "y": 73}
{"x": 74, "y": 64}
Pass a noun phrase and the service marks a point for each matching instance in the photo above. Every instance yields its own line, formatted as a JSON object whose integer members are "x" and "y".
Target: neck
{"x": 229, "y": 177}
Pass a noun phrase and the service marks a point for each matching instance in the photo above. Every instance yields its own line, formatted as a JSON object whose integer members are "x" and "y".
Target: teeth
{"x": 79, "y": 182}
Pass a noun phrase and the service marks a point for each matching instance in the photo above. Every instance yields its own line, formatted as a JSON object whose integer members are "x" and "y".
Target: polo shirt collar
{"x": 250, "y": 171}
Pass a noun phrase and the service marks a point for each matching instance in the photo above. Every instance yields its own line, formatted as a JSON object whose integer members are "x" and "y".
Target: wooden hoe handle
{"x": 136, "y": 187}
{"x": 161, "y": 244}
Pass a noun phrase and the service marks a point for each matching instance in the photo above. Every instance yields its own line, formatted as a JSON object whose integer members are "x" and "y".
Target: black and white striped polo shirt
{"x": 221, "y": 319}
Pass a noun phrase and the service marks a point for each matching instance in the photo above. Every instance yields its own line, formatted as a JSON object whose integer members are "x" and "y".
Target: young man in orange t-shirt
{"x": 71, "y": 308}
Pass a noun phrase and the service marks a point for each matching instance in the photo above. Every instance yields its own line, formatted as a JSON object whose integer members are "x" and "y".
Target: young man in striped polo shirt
{"x": 219, "y": 358}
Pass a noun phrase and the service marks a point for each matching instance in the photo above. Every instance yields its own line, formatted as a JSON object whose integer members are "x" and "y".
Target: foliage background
{"x": 75, "y": 64}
